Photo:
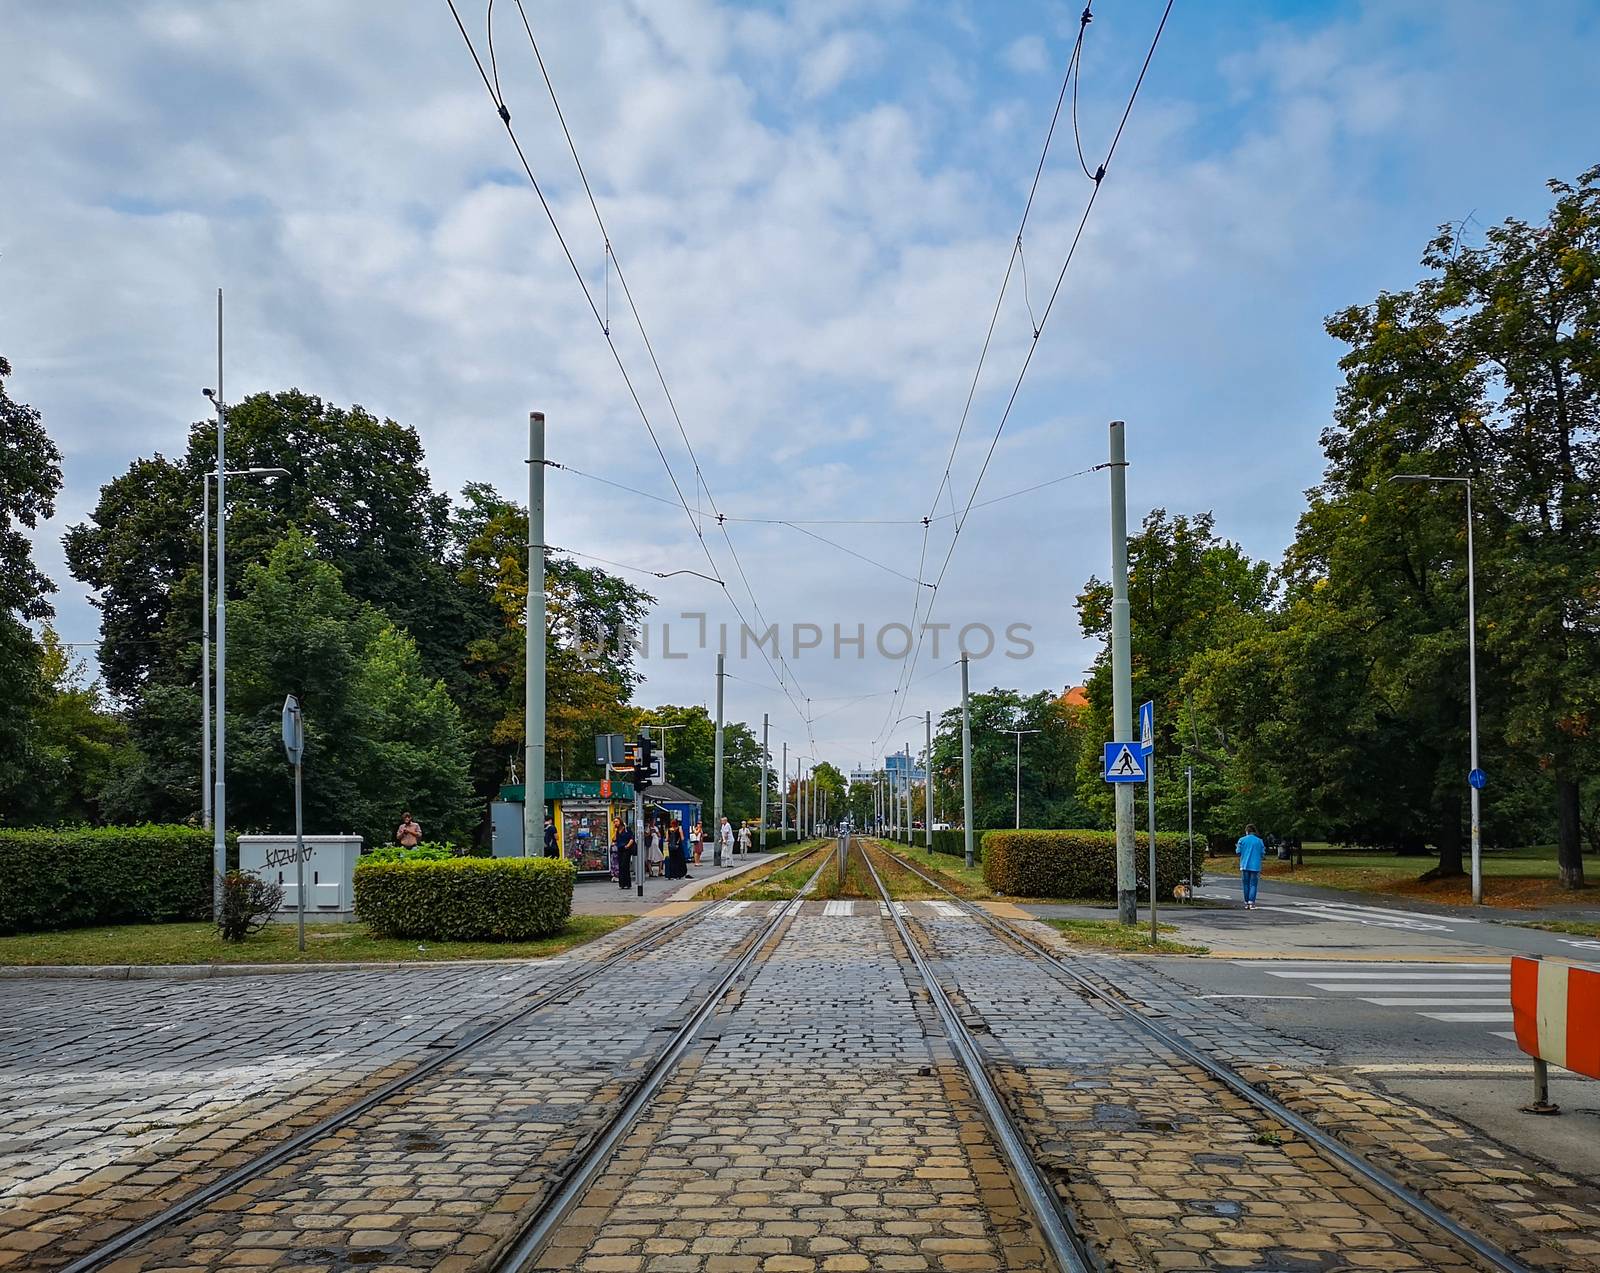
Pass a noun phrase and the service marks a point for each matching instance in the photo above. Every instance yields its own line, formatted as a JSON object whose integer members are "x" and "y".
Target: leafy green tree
{"x": 30, "y": 476}
{"x": 1049, "y": 761}
{"x": 1189, "y": 590}
{"x": 1490, "y": 368}
{"x": 77, "y": 742}
{"x": 589, "y": 664}
{"x": 382, "y": 736}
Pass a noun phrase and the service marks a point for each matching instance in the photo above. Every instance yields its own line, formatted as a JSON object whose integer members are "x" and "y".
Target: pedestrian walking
{"x": 409, "y": 833}
{"x": 725, "y": 834}
{"x": 744, "y": 839}
{"x": 625, "y": 847}
{"x": 652, "y": 850}
{"x": 1251, "y": 849}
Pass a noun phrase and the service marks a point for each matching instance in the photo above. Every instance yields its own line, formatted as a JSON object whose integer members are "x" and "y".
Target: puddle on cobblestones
{"x": 1214, "y": 1208}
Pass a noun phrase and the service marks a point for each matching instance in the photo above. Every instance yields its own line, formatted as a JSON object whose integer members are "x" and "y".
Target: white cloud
{"x": 836, "y": 59}
{"x": 1027, "y": 55}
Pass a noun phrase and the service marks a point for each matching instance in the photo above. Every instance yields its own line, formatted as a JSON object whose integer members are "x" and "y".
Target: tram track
{"x": 1362, "y": 1171}
{"x": 141, "y": 1229}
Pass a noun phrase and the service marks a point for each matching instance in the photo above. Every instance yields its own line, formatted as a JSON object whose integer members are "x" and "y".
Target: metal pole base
{"x": 1128, "y": 906}
{"x": 1541, "y": 1091}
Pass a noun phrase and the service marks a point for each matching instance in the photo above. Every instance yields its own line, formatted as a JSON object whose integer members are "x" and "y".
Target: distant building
{"x": 1075, "y": 697}
{"x": 901, "y": 766}
{"x": 866, "y": 777}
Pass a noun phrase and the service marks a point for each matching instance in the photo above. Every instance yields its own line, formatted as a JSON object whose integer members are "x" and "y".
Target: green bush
{"x": 248, "y": 904}
{"x": 466, "y": 899}
{"x": 1078, "y": 863}
{"x": 417, "y": 853}
{"x": 70, "y": 877}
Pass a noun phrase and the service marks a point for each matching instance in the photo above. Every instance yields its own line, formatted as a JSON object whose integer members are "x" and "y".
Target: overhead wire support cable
{"x": 614, "y": 263}
{"x": 1044, "y": 318}
{"x": 505, "y": 117}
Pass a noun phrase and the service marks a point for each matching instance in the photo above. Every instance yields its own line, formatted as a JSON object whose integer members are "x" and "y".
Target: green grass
{"x": 1536, "y": 862}
{"x": 325, "y": 943}
{"x": 952, "y": 872}
{"x": 1572, "y": 927}
{"x": 1107, "y": 934}
{"x": 775, "y": 885}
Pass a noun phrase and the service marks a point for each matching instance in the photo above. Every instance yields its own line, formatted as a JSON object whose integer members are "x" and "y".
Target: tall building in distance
{"x": 901, "y": 768}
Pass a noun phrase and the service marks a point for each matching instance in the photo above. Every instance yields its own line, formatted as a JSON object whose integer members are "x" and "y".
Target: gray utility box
{"x": 330, "y": 872}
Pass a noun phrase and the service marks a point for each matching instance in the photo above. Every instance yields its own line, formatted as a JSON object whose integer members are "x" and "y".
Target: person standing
{"x": 625, "y": 846}
{"x": 409, "y": 833}
{"x": 725, "y": 834}
{"x": 744, "y": 839}
{"x": 699, "y": 841}
{"x": 677, "y": 855}
{"x": 552, "y": 848}
{"x": 652, "y": 849}
{"x": 1251, "y": 849}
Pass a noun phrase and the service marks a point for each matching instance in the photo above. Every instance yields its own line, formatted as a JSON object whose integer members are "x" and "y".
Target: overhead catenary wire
{"x": 505, "y": 118}
{"x": 1044, "y": 318}
{"x": 614, "y": 263}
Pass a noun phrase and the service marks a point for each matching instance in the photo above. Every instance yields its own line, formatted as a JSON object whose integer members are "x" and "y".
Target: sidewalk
{"x": 603, "y": 897}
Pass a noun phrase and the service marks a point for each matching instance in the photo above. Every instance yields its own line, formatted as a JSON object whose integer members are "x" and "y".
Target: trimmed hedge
{"x": 1078, "y": 863}
{"x": 468, "y": 899}
{"x": 72, "y": 877}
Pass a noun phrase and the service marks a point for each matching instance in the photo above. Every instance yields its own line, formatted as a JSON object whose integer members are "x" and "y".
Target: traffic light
{"x": 644, "y": 763}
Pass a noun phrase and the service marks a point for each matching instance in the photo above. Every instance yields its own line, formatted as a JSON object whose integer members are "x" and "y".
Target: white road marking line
{"x": 1401, "y": 987}
{"x": 1468, "y": 1016}
{"x": 1437, "y": 1003}
{"x": 838, "y": 908}
{"x": 1505, "y": 1034}
{"x": 1393, "y": 974}
{"x": 1425, "y": 965}
{"x": 775, "y": 908}
{"x": 948, "y": 910}
{"x": 1308, "y": 998}
{"x": 902, "y": 909}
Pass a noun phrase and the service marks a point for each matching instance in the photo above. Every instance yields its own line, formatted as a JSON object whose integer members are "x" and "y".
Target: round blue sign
{"x": 1477, "y": 778}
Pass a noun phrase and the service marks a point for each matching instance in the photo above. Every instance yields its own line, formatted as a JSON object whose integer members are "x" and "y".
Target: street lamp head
{"x": 210, "y": 393}
{"x": 1411, "y": 479}
{"x": 268, "y": 472}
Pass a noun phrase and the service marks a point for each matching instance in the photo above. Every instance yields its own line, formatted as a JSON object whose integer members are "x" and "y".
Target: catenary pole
{"x": 1150, "y": 822}
{"x": 1189, "y": 770}
{"x": 927, "y": 781}
{"x": 1122, "y": 675}
{"x": 205, "y": 654}
{"x": 716, "y": 783}
{"x": 533, "y": 707}
{"x": 783, "y": 796}
{"x": 966, "y": 761}
{"x": 766, "y": 777}
{"x": 219, "y": 799}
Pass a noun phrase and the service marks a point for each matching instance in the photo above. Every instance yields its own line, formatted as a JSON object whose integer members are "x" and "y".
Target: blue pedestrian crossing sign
{"x": 1477, "y": 778}
{"x": 1123, "y": 763}
{"x": 1147, "y": 727}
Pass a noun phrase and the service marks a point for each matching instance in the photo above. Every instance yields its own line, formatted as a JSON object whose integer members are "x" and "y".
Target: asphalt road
{"x": 1413, "y": 997}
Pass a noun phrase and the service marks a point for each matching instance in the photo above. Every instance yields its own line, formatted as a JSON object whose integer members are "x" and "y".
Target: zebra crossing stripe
{"x": 947, "y": 910}
{"x": 838, "y": 908}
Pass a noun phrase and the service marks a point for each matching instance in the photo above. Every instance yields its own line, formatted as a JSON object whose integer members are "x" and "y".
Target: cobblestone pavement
{"x": 822, "y": 1124}
{"x": 119, "y": 1097}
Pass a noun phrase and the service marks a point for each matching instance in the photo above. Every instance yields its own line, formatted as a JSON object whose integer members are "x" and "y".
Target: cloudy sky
{"x": 814, "y": 205}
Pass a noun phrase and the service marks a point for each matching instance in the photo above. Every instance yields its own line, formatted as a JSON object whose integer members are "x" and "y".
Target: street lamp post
{"x": 205, "y": 629}
{"x": 1019, "y": 733}
{"x": 1472, "y": 670}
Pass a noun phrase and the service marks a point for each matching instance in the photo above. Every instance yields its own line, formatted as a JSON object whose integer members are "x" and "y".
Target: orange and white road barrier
{"x": 1556, "y": 1011}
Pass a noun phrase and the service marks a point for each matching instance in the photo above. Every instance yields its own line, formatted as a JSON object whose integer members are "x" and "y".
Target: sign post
{"x": 1147, "y": 747}
{"x": 294, "y": 746}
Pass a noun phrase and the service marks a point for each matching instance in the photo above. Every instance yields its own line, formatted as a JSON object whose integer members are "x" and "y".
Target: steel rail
{"x": 1369, "y": 1172}
{"x": 523, "y": 1255}
{"x": 1066, "y": 1247}
{"x": 230, "y": 1181}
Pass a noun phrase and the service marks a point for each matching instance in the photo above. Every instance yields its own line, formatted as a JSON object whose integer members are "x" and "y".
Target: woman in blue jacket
{"x": 1251, "y": 850}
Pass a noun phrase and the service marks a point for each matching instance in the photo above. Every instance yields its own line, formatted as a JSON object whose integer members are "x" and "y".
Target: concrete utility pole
{"x": 219, "y": 801}
{"x": 927, "y": 781}
{"x": 766, "y": 777}
{"x": 1122, "y": 677}
{"x": 534, "y": 650}
{"x": 716, "y": 783}
{"x": 966, "y": 760}
{"x": 1189, "y": 770}
{"x": 783, "y": 794}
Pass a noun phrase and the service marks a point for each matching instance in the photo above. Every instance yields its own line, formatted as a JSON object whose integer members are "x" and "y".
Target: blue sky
{"x": 815, "y": 204}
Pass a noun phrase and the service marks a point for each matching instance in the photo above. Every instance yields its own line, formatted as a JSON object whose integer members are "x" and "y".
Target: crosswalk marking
{"x": 1379, "y": 916}
{"x": 1453, "y": 993}
{"x": 948, "y": 910}
{"x": 838, "y": 908}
